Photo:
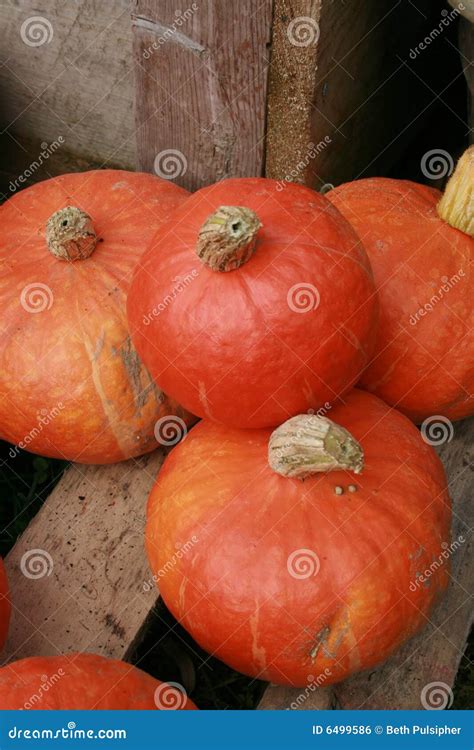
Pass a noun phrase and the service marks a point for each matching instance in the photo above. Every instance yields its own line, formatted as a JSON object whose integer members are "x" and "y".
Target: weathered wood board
{"x": 78, "y": 575}
{"x": 67, "y": 69}
{"x": 201, "y": 83}
{"x": 434, "y": 654}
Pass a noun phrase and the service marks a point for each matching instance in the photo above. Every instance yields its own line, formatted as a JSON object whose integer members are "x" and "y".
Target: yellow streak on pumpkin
{"x": 112, "y": 416}
{"x": 259, "y": 655}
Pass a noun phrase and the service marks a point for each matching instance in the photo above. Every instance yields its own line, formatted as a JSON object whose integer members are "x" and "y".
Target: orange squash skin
{"x": 423, "y": 363}
{"x": 231, "y": 346}
{"x": 5, "y": 608}
{"x": 81, "y": 682}
{"x": 240, "y": 527}
{"x": 71, "y": 383}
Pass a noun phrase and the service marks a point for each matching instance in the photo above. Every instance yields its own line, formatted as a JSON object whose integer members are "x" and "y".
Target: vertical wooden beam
{"x": 201, "y": 87}
{"x": 343, "y": 100}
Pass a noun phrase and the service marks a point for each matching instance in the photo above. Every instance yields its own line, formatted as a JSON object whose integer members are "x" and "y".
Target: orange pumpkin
{"x": 421, "y": 246}
{"x": 71, "y": 383}
{"x": 5, "y": 608}
{"x": 291, "y": 580}
{"x": 85, "y": 682}
{"x": 276, "y": 312}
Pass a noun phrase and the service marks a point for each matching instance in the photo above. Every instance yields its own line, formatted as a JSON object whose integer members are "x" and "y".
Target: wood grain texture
{"x": 98, "y": 592}
{"x": 78, "y": 83}
{"x": 201, "y": 83}
{"x": 433, "y": 655}
{"x": 343, "y": 98}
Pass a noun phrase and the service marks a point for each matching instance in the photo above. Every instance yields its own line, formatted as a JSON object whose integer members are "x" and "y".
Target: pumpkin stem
{"x": 307, "y": 444}
{"x": 227, "y": 238}
{"x": 70, "y": 234}
{"x": 457, "y": 204}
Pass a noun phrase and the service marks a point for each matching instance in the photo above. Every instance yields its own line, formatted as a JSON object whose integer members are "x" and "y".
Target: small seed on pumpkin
{"x": 352, "y": 488}
{"x": 338, "y": 490}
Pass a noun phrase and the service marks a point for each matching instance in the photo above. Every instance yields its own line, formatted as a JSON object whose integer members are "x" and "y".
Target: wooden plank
{"x": 433, "y": 655}
{"x": 78, "y": 575}
{"x": 338, "y": 71}
{"x": 278, "y": 698}
{"x": 201, "y": 83}
{"x": 70, "y": 74}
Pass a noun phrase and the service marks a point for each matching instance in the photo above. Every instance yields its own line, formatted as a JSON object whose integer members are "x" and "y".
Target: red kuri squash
{"x": 4, "y": 606}
{"x": 421, "y": 246}
{"x": 84, "y": 682}
{"x": 254, "y": 302}
{"x": 71, "y": 383}
{"x": 294, "y": 581}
